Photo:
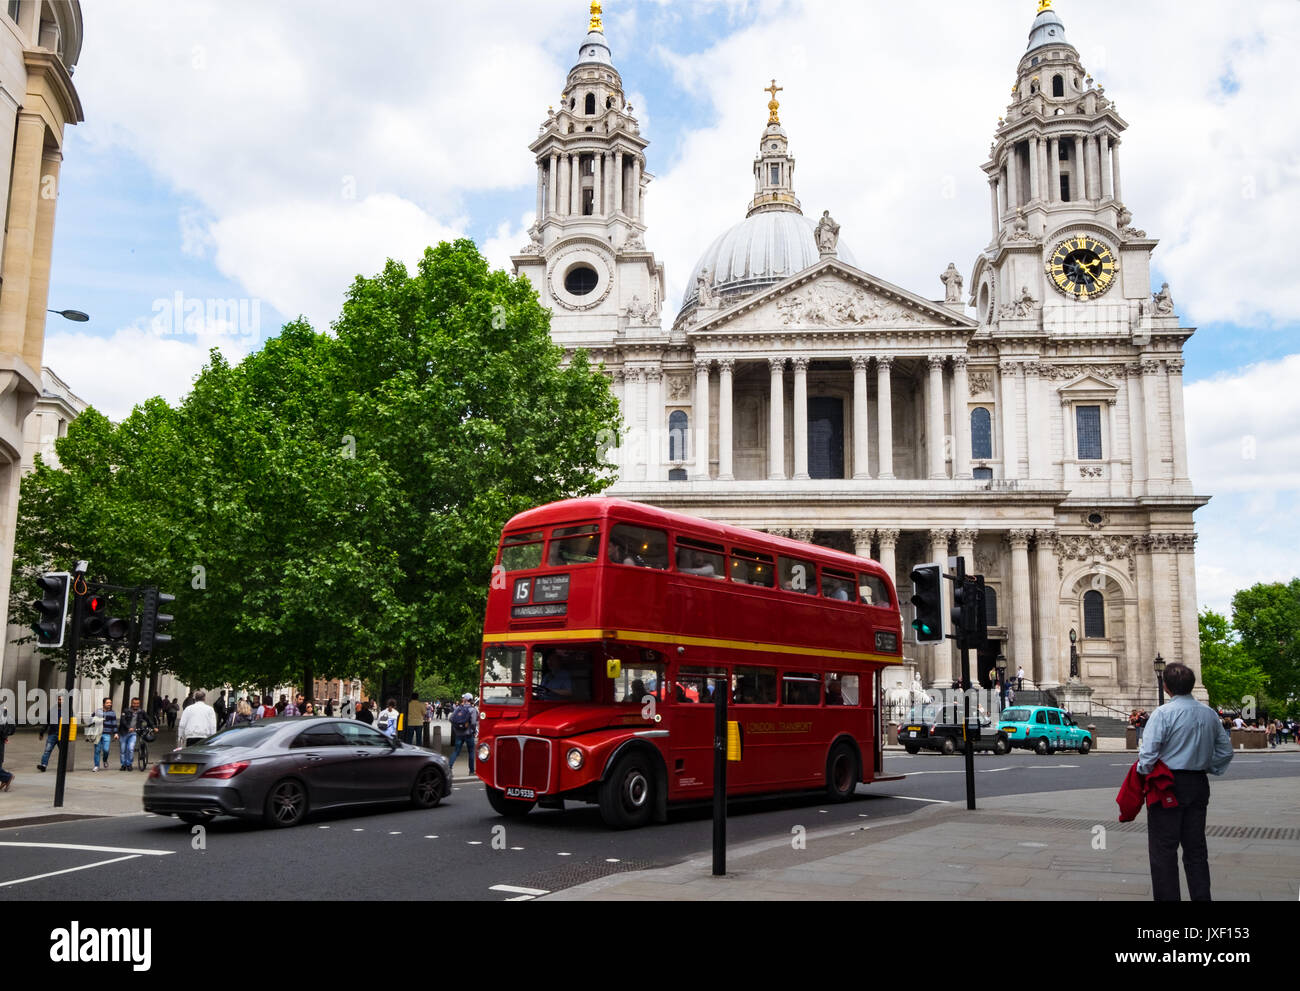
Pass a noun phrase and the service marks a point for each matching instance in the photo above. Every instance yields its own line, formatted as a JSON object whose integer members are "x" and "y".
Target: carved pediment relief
{"x": 835, "y": 304}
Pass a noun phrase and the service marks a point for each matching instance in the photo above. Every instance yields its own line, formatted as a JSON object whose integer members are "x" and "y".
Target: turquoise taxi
{"x": 1043, "y": 729}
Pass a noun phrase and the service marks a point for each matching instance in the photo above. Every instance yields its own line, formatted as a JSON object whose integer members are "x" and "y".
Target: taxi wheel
{"x": 1085, "y": 745}
{"x": 842, "y": 773}
{"x": 286, "y": 804}
{"x": 949, "y": 746}
{"x": 911, "y": 748}
{"x": 1042, "y": 747}
{"x": 627, "y": 795}
{"x": 511, "y": 807}
{"x": 429, "y": 789}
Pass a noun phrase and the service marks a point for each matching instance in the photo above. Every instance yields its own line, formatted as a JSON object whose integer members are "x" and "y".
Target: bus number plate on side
{"x": 520, "y": 793}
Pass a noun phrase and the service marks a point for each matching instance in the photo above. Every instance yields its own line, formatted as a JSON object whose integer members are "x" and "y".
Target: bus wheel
{"x": 841, "y": 773}
{"x": 627, "y": 795}
{"x": 511, "y": 807}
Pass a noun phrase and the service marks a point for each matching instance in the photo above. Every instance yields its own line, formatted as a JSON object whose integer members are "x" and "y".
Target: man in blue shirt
{"x": 1191, "y": 741}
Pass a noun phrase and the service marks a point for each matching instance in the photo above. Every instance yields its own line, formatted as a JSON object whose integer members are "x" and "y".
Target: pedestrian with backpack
{"x": 387, "y": 722}
{"x": 464, "y": 728}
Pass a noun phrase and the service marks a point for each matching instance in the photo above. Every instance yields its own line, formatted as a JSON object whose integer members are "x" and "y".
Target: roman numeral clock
{"x": 1082, "y": 267}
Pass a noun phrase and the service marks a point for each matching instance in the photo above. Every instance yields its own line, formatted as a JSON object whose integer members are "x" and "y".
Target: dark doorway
{"x": 826, "y": 438}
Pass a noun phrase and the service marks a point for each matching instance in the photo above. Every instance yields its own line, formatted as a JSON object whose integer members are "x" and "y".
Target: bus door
{"x": 690, "y": 766}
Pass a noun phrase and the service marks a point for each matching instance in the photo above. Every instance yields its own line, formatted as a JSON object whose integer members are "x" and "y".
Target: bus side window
{"x": 638, "y": 547}
{"x": 842, "y": 689}
{"x": 874, "y": 591}
{"x": 753, "y": 686}
{"x": 697, "y": 685}
{"x": 838, "y": 586}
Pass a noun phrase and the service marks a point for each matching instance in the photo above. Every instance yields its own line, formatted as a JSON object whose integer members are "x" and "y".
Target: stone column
{"x": 702, "y": 418}
{"x": 619, "y": 180}
{"x": 598, "y": 186}
{"x": 885, "y": 416}
{"x": 1107, "y": 175}
{"x": 800, "y": 417}
{"x": 726, "y": 472}
{"x": 1035, "y": 192}
{"x": 38, "y": 293}
{"x": 888, "y": 545}
{"x": 1151, "y": 411}
{"x": 1001, "y": 184}
{"x": 961, "y": 417}
{"x": 935, "y": 435}
{"x": 1114, "y": 167}
{"x": 1136, "y": 441}
{"x": 1081, "y": 160}
{"x": 1163, "y": 568}
{"x": 1069, "y": 433}
{"x": 1007, "y": 414}
{"x": 1143, "y": 678}
{"x": 1022, "y": 626}
{"x": 966, "y": 548}
{"x": 1013, "y": 180}
{"x": 1054, "y": 169}
{"x": 944, "y": 664}
{"x": 1048, "y": 608}
{"x": 862, "y": 542}
{"x": 575, "y": 186}
{"x": 1044, "y": 170}
{"x": 1185, "y": 546}
{"x": 861, "y": 418}
{"x": 997, "y": 212}
{"x": 776, "y": 420}
{"x": 655, "y": 420}
{"x": 636, "y": 417}
{"x": 20, "y": 240}
{"x": 541, "y": 192}
{"x": 1177, "y": 421}
{"x": 1036, "y": 422}
{"x": 636, "y": 188}
{"x": 552, "y": 202}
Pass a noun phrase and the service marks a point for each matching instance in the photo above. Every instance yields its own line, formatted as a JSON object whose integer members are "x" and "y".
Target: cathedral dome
{"x": 760, "y": 251}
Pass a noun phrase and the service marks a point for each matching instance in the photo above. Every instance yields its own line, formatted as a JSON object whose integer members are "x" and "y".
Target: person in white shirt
{"x": 198, "y": 721}
{"x": 387, "y": 721}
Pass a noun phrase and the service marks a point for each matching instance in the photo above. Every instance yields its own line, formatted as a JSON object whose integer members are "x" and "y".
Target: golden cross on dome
{"x": 774, "y": 117}
{"x": 596, "y": 24}
{"x": 1044, "y": 5}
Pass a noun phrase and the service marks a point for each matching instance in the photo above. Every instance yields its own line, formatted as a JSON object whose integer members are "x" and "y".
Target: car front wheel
{"x": 429, "y": 789}
{"x": 1085, "y": 745}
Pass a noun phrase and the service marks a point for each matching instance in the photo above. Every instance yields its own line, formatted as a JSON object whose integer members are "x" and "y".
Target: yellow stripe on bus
{"x": 682, "y": 641}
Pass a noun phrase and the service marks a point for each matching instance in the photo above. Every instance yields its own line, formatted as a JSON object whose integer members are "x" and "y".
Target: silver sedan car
{"x": 278, "y": 770}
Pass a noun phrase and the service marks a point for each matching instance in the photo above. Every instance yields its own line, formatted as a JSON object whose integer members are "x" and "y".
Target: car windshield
{"x": 241, "y": 736}
{"x": 1015, "y": 715}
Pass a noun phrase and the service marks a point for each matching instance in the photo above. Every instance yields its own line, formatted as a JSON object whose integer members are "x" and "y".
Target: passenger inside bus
{"x": 565, "y": 676}
{"x": 694, "y": 563}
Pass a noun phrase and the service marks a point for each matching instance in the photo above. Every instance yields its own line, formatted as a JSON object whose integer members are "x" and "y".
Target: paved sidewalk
{"x": 1051, "y": 846}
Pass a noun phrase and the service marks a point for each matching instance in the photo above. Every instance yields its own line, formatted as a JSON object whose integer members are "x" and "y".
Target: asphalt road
{"x": 463, "y": 851}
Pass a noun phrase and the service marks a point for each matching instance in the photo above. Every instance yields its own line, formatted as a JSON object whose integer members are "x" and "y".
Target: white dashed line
{"x": 69, "y": 870}
{"x": 523, "y": 894}
{"x": 909, "y": 798}
{"x": 94, "y": 849}
{"x": 564, "y": 855}
{"x": 427, "y": 837}
{"x": 474, "y": 842}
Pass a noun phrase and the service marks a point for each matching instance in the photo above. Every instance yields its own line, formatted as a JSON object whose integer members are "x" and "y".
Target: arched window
{"x": 591, "y": 104}
{"x": 1058, "y": 86}
{"x": 981, "y": 433}
{"x": 678, "y": 426}
{"x": 1094, "y": 614}
{"x": 991, "y": 605}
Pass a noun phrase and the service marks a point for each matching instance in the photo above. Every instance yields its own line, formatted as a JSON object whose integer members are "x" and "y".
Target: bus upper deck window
{"x": 572, "y": 545}
{"x": 520, "y": 551}
{"x": 695, "y": 557}
{"x": 874, "y": 591}
{"x": 638, "y": 547}
{"x": 798, "y": 576}
{"x": 750, "y": 568}
{"x": 836, "y": 585}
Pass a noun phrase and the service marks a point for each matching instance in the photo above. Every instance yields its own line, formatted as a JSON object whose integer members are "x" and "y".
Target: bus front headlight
{"x": 484, "y": 751}
{"x": 575, "y": 759}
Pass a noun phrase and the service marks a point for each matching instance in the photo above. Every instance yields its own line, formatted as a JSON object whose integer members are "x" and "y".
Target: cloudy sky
{"x": 269, "y": 152}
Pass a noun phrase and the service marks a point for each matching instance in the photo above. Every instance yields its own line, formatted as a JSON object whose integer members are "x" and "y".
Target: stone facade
{"x": 1042, "y": 440}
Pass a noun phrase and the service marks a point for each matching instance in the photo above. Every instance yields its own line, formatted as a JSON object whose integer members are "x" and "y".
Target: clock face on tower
{"x": 1082, "y": 267}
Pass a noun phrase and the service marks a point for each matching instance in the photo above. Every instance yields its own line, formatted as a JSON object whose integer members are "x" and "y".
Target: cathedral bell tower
{"x": 1060, "y": 231}
{"x": 774, "y": 165}
{"x": 586, "y": 254}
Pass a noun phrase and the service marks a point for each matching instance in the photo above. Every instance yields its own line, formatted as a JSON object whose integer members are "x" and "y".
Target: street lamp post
{"x": 1160, "y": 677}
{"x": 1074, "y": 654}
{"x": 1001, "y": 665}
{"x": 76, "y": 316}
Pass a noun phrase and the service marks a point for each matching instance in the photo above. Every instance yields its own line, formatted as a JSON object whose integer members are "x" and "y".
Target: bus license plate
{"x": 521, "y": 793}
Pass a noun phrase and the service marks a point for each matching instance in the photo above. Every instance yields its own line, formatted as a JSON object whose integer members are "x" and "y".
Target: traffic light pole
{"x": 963, "y": 647}
{"x": 69, "y": 681}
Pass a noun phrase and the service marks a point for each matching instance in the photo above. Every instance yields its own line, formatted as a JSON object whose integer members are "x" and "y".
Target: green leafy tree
{"x": 1227, "y": 670}
{"x": 1267, "y": 616}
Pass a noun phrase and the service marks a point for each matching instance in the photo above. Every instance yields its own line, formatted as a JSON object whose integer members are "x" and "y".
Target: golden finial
{"x": 1044, "y": 5}
{"x": 596, "y": 24}
{"x": 774, "y": 116}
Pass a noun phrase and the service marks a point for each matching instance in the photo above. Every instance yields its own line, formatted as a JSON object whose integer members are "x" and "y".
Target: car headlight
{"x": 575, "y": 759}
{"x": 484, "y": 751}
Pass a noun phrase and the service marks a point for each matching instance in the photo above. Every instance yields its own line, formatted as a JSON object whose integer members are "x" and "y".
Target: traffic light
{"x": 963, "y": 596}
{"x": 980, "y": 634}
{"x": 97, "y": 624}
{"x": 52, "y": 608}
{"x": 928, "y": 597}
{"x": 152, "y": 621}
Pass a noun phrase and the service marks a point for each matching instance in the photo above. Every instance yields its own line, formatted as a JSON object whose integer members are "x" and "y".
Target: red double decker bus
{"x": 611, "y": 628}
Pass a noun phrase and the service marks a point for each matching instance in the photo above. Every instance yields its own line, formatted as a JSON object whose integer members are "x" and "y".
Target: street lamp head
{"x": 1074, "y": 635}
{"x": 76, "y": 316}
{"x": 1001, "y": 662}
{"x": 1160, "y": 664}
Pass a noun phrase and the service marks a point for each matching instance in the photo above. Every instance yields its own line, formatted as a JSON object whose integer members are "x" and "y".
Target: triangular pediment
{"x": 1089, "y": 387}
{"x": 833, "y": 296}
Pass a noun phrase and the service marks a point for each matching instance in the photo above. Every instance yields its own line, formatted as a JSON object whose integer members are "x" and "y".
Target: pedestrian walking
{"x": 464, "y": 728}
{"x": 7, "y": 729}
{"x": 51, "y": 734}
{"x": 106, "y": 721}
{"x": 388, "y": 719}
{"x": 1020, "y": 678}
{"x": 415, "y": 720}
{"x": 173, "y": 708}
{"x": 1187, "y": 737}
{"x": 220, "y": 708}
{"x": 198, "y": 722}
{"x": 133, "y": 722}
{"x": 365, "y": 714}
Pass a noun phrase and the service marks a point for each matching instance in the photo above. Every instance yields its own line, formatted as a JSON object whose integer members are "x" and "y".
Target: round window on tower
{"x": 581, "y": 280}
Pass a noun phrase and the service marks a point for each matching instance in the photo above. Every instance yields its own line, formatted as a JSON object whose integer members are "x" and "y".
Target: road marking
{"x": 474, "y": 842}
{"x": 94, "y": 849}
{"x": 564, "y": 855}
{"x": 909, "y": 798}
{"x": 69, "y": 870}
{"x": 994, "y": 770}
{"x": 515, "y": 890}
{"x": 913, "y": 774}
